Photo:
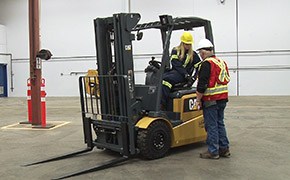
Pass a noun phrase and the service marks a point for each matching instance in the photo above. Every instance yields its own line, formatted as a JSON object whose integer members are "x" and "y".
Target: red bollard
{"x": 43, "y": 103}
{"x": 29, "y": 101}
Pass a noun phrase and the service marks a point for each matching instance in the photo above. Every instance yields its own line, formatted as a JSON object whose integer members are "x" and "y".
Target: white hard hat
{"x": 204, "y": 43}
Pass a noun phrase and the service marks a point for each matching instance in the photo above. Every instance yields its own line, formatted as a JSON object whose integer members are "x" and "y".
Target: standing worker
{"x": 183, "y": 60}
{"x": 212, "y": 96}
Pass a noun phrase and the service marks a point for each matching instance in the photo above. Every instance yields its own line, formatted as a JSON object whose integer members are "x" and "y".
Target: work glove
{"x": 190, "y": 80}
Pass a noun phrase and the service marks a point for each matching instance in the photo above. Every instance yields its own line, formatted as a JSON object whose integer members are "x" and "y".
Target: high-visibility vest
{"x": 218, "y": 82}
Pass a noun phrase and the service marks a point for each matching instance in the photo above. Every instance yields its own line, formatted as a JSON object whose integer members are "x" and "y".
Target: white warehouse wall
{"x": 264, "y": 26}
{"x": 256, "y": 29}
{"x": 3, "y": 41}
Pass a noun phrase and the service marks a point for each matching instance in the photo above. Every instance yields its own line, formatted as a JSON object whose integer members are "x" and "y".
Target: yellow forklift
{"x": 122, "y": 116}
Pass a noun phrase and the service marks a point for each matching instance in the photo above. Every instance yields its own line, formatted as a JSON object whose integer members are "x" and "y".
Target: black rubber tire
{"x": 155, "y": 141}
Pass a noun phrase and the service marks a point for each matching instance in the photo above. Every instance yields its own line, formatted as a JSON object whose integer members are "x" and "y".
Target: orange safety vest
{"x": 218, "y": 82}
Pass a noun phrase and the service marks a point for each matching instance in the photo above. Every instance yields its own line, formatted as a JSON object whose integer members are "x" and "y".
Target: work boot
{"x": 224, "y": 152}
{"x": 208, "y": 155}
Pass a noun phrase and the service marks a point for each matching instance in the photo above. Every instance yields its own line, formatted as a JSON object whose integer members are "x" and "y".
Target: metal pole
{"x": 129, "y": 6}
{"x": 237, "y": 46}
{"x": 35, "y": 73}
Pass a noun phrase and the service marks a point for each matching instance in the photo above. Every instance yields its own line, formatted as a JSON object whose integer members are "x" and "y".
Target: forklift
{"x": 125, "y": 117}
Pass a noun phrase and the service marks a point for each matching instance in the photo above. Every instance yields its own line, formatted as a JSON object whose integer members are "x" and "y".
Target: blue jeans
{"x": 215, "y": 127}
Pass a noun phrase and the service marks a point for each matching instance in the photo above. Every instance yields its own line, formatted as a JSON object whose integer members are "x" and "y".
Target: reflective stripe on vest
{"x": 174, "y": 56}
{"x": 197, "y": 65}
{"x": 187, "y": 60}
{"x": 166, "y": 83}
{"x": 218, "y": 89}
{"x": 224, "y": 77}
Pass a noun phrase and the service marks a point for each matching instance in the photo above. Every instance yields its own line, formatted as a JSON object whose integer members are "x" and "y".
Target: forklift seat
{"x": 179, "y": 86}
{"x": 181, "y": 92}
{"x": 177, "y": 94}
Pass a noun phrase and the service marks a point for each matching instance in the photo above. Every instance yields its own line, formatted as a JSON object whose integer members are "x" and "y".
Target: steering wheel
{"x": 154, "y": 63}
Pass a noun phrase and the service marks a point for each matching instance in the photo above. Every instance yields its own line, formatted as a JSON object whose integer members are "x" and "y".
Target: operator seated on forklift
{"x": 184, "y": 61}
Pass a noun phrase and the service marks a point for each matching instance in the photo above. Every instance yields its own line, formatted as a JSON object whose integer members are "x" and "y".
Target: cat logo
{"x": 189, "y": 105}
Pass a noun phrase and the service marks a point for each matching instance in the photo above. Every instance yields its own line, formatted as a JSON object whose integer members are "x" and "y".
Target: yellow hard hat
{"x": 186, "y": 38}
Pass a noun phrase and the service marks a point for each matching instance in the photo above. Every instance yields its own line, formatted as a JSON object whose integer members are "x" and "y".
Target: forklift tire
{"x": 155, "y": 141}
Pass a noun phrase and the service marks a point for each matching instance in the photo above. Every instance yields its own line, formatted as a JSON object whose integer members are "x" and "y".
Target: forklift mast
{"x": 116, "y": 31}
{"x": 118, "y": 101}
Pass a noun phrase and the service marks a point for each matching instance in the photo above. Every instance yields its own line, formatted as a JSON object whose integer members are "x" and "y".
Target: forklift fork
{"x": 102, "y": 166}
{"x": 60, "y": 157}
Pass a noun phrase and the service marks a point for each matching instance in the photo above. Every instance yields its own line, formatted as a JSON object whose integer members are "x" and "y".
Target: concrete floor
{"x": 258, "y": 129}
